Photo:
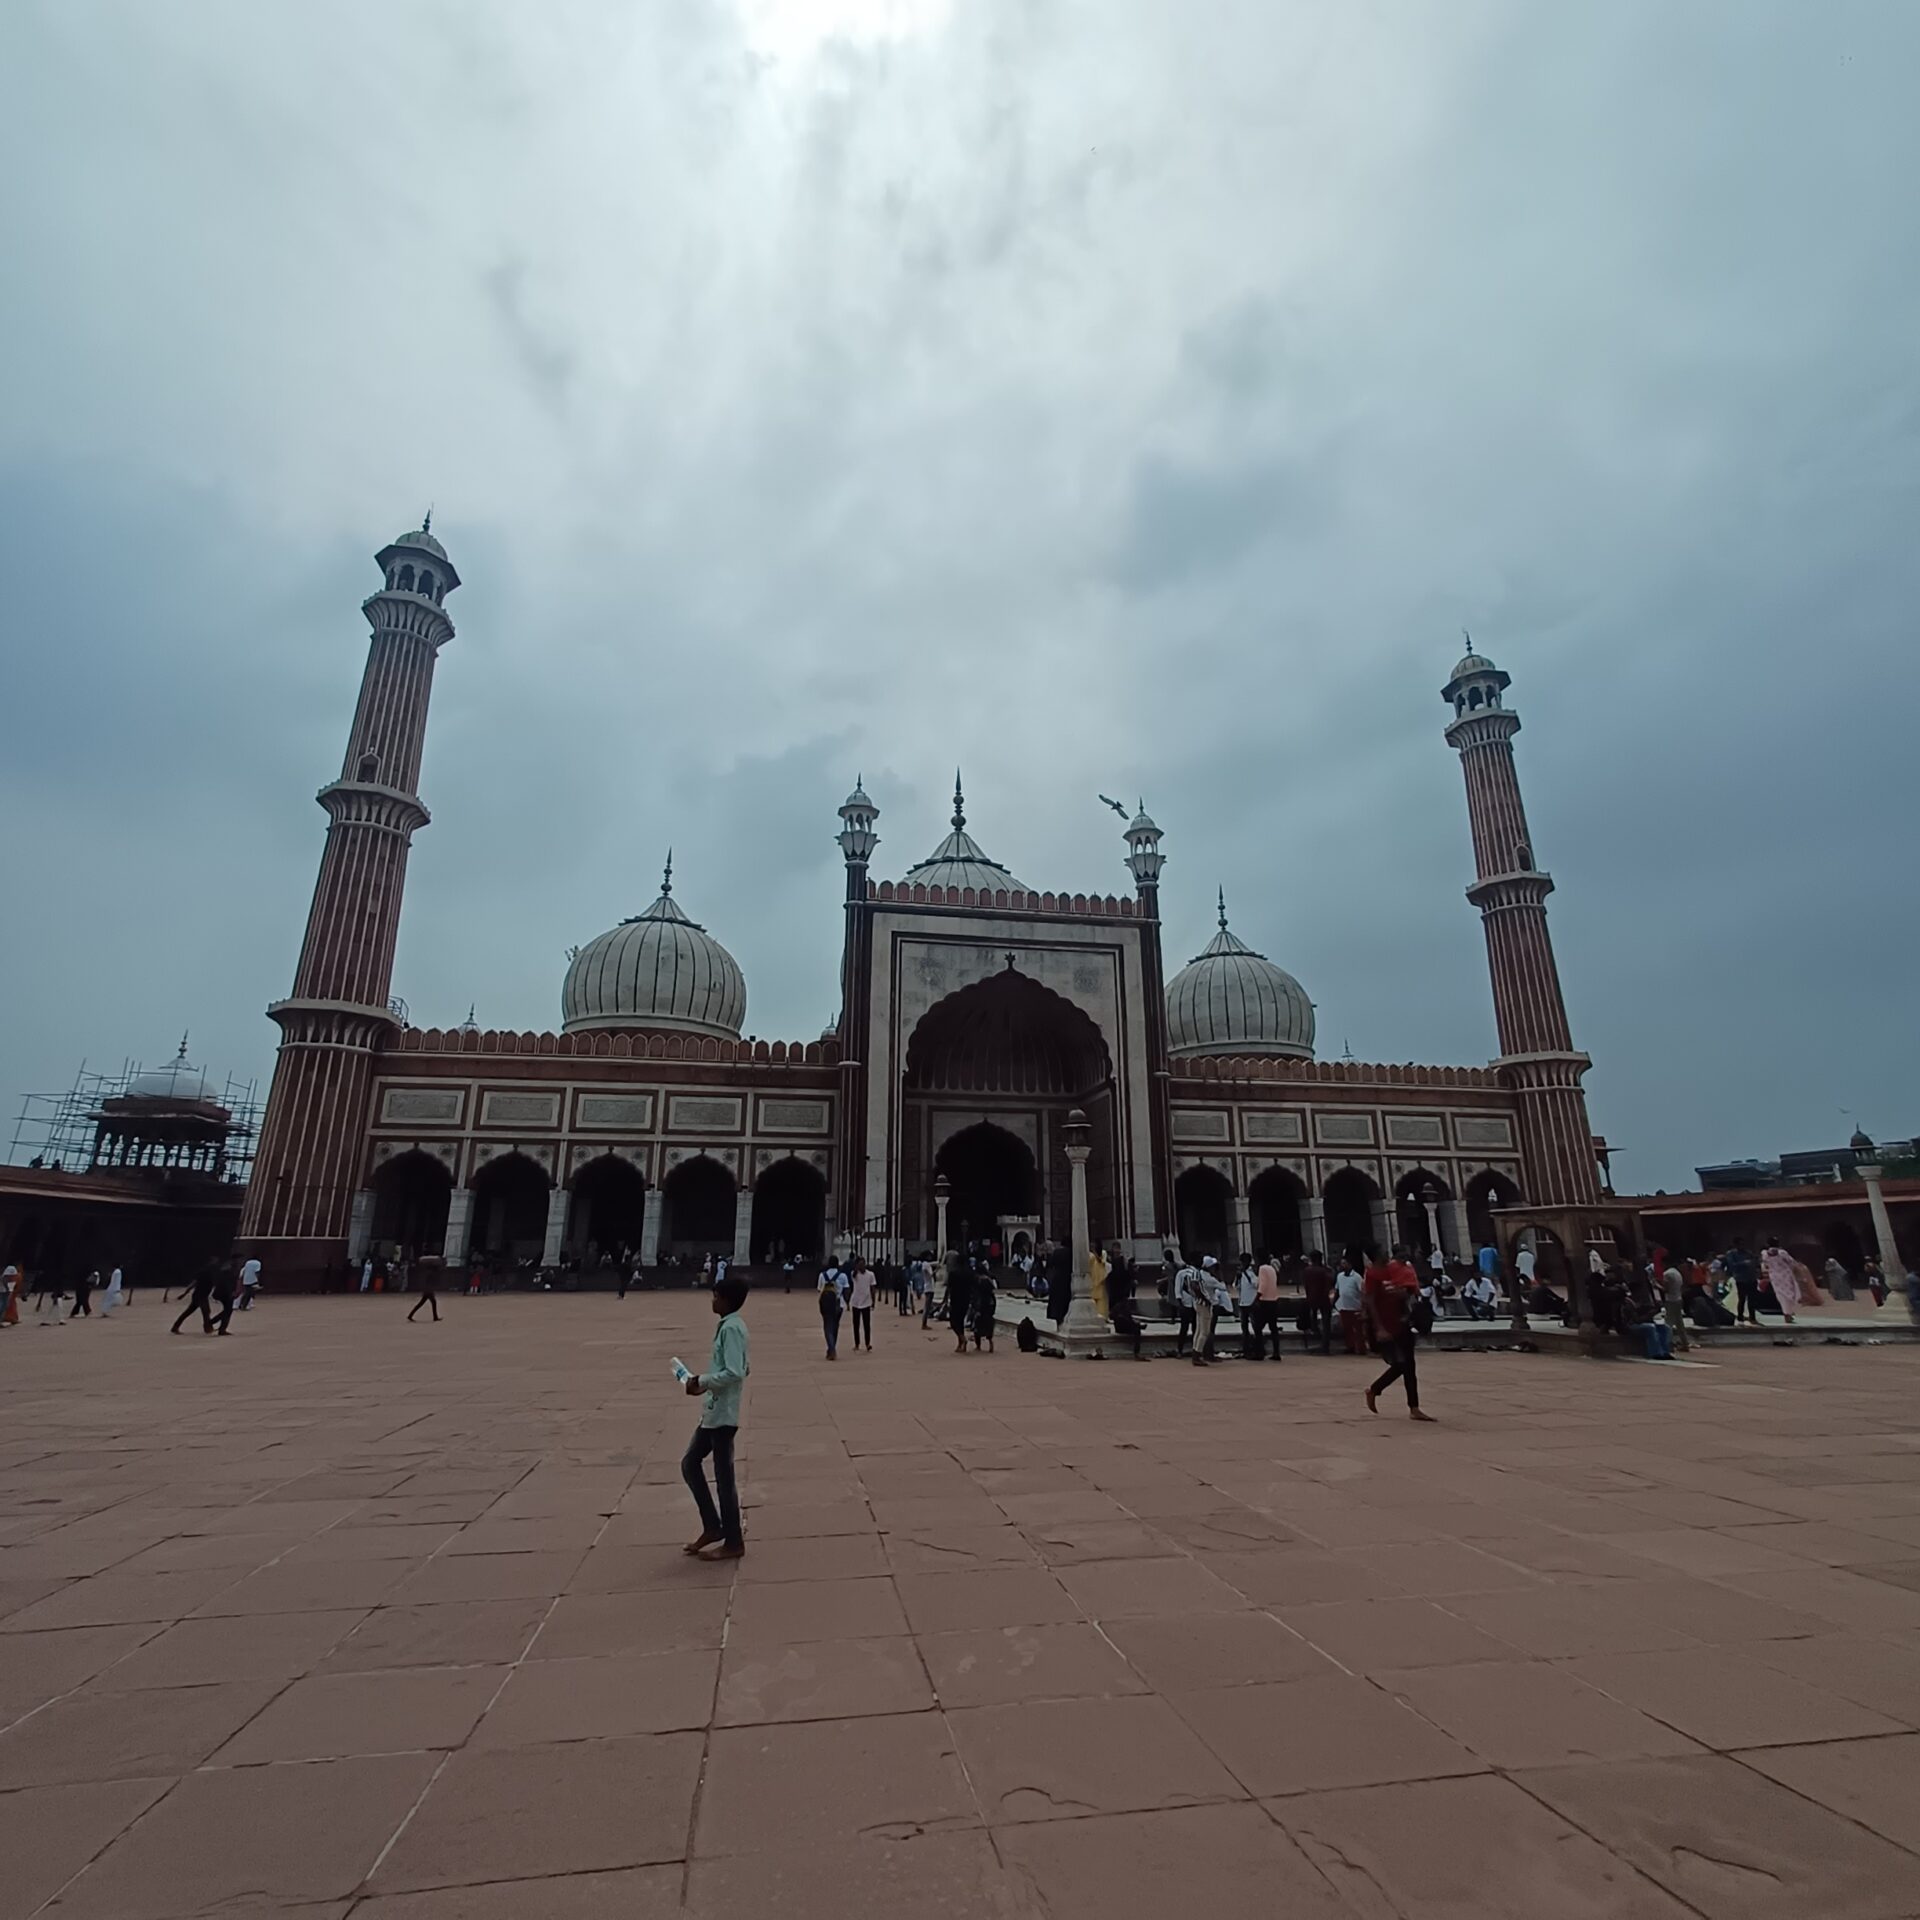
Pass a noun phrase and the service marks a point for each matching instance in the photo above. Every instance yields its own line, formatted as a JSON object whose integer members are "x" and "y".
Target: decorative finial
{"x": 959, "y": 803}
{"x": 666, "y": 879}
{"x": 426, "y": 521}
{"x": 1468, "y": 638}
{"x": 180, "y": 1057}
{"x": 471, "y": 1005}
{"x": 1223, "y": 909}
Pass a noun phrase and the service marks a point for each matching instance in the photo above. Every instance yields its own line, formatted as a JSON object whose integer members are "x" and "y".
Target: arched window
{"x": 426, "y": 583}
{"x": 393, "y": 574}
{"x": 406, "y": 579}
{"x": 1473, "y": 696}
{"x": 369, "y": 766}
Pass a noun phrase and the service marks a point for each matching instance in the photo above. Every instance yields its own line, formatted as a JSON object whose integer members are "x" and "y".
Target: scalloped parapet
{"x": 622, "y": 1046}
{"x": 1335, "y": 1072}
{"x": 1079, "y": 906}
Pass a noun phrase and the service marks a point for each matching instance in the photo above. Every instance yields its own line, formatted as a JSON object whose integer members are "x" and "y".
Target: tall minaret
{"x": 857, "y": 840}
{"x": 1145, "y": 862}
{"x": 1537, "y": 1055}
{"x": 306, "y": 1170}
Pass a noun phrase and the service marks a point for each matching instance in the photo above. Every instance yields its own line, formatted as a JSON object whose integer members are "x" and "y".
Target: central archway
{"x": 609, "y": 1209}
{"x": 697, "y": 1208}
{"x": 993, "y": 1179}
{"x": 1016, "y": 1057}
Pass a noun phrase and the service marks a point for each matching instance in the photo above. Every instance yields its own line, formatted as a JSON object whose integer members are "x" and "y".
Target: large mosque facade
{"x": 977, "y": 1014}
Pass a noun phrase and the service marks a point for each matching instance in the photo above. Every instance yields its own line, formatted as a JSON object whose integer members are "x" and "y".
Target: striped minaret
{"x": 1537, "y": 1055}
{"x": 307, "y": 1166}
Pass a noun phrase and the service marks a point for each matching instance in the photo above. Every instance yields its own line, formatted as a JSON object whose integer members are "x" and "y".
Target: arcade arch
{"x": 1203, "y": 1205}
{"x": 789, "y": 1212}
{"x": 1349, "y": 1198}
{"x": 697, "y": 1208}
{"x": 410, "y": 1197}
{"x": 1274, "y": 1201}
{"x": 510, "y": 1209}
{"x": 609, "y": 1208}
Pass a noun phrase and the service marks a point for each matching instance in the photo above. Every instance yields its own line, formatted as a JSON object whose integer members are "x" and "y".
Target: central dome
{"x": 658, "y": 971}
{"x": 1232, "y": 1000}
{"x": 959, "y": 861}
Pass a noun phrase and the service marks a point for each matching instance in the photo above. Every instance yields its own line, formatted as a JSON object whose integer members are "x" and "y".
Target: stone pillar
{"x": 459, "y": 1227}
{"x": 1385, "y": 1229}
{"x": 940, "y": 1218}
{"x": 743, "y": 1226}
{"x": 1313, "y": 1225}
{"x": 650, "y": 1229}
{"x": 1242, "y": 1225}
{"x": 1432, "y": 1210}
{"x": 556, "y": 1227}
{"x": 1887, "y": 1246}
{"x": 1454, "y": 1212}
{"x": 360, "y": 1226}
{"x": 1082, "y": 1319}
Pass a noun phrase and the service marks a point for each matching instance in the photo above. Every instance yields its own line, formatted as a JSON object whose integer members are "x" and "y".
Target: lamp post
{"x": 1430, "y": 1200}
{"x": 1866, "y": 1164}
{"x": 942, "y": 1193}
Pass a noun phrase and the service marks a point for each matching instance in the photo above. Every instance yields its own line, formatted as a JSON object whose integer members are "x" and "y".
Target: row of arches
{"x": 1355, "y": 1212}
{"x": 606, "y": 1208}
{"x": 426, "y": 581}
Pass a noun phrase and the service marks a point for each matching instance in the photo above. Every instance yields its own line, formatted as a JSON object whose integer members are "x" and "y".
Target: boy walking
{"x": 719, "y": 1425}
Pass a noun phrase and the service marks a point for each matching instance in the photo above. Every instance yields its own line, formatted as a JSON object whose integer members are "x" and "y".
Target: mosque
{"x": 978, "y": 1013}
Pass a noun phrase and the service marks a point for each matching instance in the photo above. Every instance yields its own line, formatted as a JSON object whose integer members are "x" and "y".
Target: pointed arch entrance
{"x": 992, "y": 1072}
{"x": 510, "y": 1209}
{"x": 697, "y": 1209}
{"x": 789, "y": 1212}
{"x": 609, "y": 1210}
{"x": 1350, "y": 1197}
{"x": 411, "y": 1193}
{"x": 1203, "y": 1204}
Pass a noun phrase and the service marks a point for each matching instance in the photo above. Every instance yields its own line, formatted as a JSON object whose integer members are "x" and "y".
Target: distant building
{"x": 1815, "y": 1168}
{"x": 145, "y": 1171}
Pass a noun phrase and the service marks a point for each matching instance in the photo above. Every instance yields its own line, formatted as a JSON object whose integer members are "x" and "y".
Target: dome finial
{"x": 666, "y": 879}
{"x": 180, "y": 1057}
{"x": 959, "y": 803}
{"x": 1223, "y": 909}
{"x": 426, "y": 521}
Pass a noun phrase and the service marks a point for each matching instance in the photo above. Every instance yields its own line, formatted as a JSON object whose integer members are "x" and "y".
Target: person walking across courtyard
{"x": 860, "y": 1302}
{"x": 959, "y": 1297}
{"x": 426, "y": 1270}
{"x": 249, "y": 1283}
{"x": 721, "y": 1384}
{"x": 832, "y": 1301}
{"x": 1780, "y": 1271}
{"x": 199, "y": 1301}
{"x": 1392, "y": 1293}
{"x": 83, "y": 1293}
{"x": 225, "y": 1284}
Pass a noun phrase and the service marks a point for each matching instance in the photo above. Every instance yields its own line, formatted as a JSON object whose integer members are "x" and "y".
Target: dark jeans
{"x": 1398, "y": 1353}
{"x": 718, "y": 1441}
{"x": 1249, "y": 1335}
{"x": 201, "y": 1303}
{"x": 225, "y": 1314}
{"x": 1320, "y": 1321}
{"x": 830, "y": 1319}
{"x": 431, "y": 1299}
{"x": 863, "y": 1323}
{"x": 1184, "y": 1318}
{"x": 1266, "y": 1325}
{"x": 81, "y": 1304}
{"x": 1746, "y": 1300}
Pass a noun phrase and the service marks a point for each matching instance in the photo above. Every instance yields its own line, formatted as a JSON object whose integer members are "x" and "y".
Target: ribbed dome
{"x": 658, "y": 970}
{"x": 959, "y": 861}
{"x": 1473, "y": 663}
{"x": 1233, "y": 1000}
{"x": 421, "y": 538}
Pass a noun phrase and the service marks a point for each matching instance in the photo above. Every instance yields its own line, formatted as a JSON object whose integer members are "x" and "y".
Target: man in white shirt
{"x": 1349, "y": 1302}
{"x": 1479, "y": 1297}
{"x": 249, "y": 1283}
{"x": 1187, "y": 1286}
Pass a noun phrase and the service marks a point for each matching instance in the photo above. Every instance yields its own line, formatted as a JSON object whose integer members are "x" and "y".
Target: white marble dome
{"x": 1231, "y": 1000}
{"x": 959, "y": 861}
{"x": 659, "y": 971}
{"x": 175, "y": 1081}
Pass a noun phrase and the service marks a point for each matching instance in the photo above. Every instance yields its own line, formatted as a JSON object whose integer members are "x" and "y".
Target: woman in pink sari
{"x": 1777, "y": 1269}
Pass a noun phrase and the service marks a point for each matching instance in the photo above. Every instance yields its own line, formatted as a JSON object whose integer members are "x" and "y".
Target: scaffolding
{"x": 57, "y": 1129}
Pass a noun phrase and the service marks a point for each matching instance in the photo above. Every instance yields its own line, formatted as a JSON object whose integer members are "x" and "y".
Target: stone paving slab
{"x": 345, "y": 1617}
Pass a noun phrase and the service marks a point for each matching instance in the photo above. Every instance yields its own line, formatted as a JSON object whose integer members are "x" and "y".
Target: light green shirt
{"x": 726, "y": 1373}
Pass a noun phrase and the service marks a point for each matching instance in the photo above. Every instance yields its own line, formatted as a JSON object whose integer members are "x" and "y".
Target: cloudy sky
{"x": 1102, "y": 394}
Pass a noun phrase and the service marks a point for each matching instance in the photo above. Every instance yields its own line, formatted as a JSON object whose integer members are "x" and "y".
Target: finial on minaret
{"x": 180, "y": 1057}
{"x": 666, "y": 879}
{"x": 426, "y": 521}
{"x": 1223, "y": 909}
{"x": 959, "y": 803}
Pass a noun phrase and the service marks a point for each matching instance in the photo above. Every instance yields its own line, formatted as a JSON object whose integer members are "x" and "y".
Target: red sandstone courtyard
{"x": 343, "y": 1616}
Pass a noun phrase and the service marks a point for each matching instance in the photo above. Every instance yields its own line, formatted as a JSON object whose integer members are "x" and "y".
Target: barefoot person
{"x": 726, "y": 1373}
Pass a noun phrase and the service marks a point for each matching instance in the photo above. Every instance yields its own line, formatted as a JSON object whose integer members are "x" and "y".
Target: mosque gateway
{"x": 977, "y": 1015}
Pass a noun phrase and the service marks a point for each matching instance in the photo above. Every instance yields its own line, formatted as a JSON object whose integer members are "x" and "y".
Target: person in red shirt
{"x": 1391, "y": 1292}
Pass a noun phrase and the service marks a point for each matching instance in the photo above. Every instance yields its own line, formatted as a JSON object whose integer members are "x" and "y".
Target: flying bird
{"x": 1115, "y": 805}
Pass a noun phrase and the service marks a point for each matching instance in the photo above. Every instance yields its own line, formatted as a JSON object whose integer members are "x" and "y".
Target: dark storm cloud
{"x": 1107, "y": 398}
